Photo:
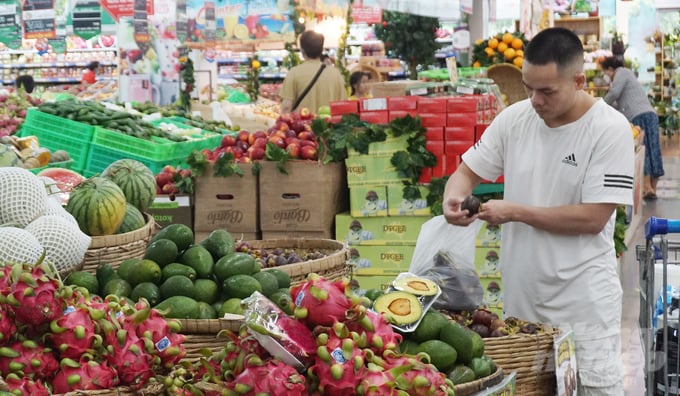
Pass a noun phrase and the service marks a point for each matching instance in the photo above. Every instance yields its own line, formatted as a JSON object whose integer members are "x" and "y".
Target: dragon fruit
{"x": 271, "y": 377}
{"x": 232, "y": 357}
{"x": 128, "y": 354}
{"x": 73, "y": 334}
{"x": 320, "y": 302}
{"x": 375, "y": 332}
{"x": 84, "y": 374}
{"x": 25, "y": 386}
{"x": 379, "y": 382}
{"x": 5, "y": 282}
{"x": 33, "y": 296}
{"x": 163, "y": 333}
{"x": 29, "y": 359}
{"x": 422, "y": 378}
{"x": 7, "y": 327}
{"x": 339, "y": 363}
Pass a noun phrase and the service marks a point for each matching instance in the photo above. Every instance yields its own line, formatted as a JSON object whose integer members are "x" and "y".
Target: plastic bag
{"x": 444, "y": 253}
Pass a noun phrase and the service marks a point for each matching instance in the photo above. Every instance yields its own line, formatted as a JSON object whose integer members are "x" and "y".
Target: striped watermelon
{"x": 133, "y": 220}
{"x": 135, "y": 179}
{"x": 98, "y": 205}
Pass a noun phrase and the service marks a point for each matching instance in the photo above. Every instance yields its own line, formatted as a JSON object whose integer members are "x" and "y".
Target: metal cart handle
{"x": 659, "y": 226}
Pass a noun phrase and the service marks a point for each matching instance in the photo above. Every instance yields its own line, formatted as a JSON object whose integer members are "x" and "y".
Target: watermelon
{"x": 66, "y": 179}
{"x": 133, "y": 220}
{"x": 135, "y": 179}
{"x": 8, "y": 157}
{"x": 98, "y": 204}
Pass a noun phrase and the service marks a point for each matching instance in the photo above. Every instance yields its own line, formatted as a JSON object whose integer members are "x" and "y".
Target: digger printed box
{"x": 489, "y": 236}
{"x": 374, "y": 231}
{"x": 368, "y": 201}
{"x": 488, "y": 262}
{"x": 381, "y": 260}
{"x": 399, "y": 204}
{"x": 493, "y": 292}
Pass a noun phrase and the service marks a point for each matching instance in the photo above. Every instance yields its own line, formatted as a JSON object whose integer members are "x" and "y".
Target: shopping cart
{"x": 662, "y": 368}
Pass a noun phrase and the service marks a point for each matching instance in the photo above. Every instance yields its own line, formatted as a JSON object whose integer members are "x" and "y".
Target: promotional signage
{"x": 58, "y": 45}
{"x": 140, "y": 22}
{"x": 10, "y": 33}
{"x": 39, "y": 19}
{"x": 119, "y": 8}
{"x": 87, "y": 19}
{"x": 209, "y": 22}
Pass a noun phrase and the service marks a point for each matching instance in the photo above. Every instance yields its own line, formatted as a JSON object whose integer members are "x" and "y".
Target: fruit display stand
{"x": 114, "y": 249}
{"x": 204, "y": 334}
{"x": 471, "y": 388}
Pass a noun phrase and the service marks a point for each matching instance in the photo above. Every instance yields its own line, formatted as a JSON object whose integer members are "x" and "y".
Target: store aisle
{"x": 667, "y": 206}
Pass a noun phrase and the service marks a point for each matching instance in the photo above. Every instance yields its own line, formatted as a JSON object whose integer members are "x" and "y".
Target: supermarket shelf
{"x": 238, "y": 76}
{"x": 63, "y": 80}
{"x": 52, "y": 64}
{"x": 32, "y": 51}
{"x": 245, "y": 60}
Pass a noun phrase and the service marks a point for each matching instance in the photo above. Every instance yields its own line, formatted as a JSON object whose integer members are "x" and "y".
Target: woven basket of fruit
{"x": 114, "y": 249}
{"x": 152, "y": 389}
{"x": 299, "y": 257}
{"x": 204, "y": 334}
{"x": 470, "y": 388}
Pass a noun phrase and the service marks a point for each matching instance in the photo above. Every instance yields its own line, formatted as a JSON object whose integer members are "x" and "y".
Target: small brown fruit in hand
{"x": 472, "y": 204}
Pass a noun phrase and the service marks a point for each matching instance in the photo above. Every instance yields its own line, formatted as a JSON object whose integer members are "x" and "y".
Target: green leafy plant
{"x": 620, "y": 227}
{"x": 349, "y": 133}
{"x": 186, "y": 66}
{"x": 340, "y": 61}
{"x": 411, "y": 162}
{"x": 253, "y": 78}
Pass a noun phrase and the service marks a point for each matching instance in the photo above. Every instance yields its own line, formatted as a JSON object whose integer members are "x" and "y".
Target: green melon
{"x": 8, "y": 157}
{"x": 98, "y": 205}
{"x": 133, "y": 220}
{"x": 135, "y": 179}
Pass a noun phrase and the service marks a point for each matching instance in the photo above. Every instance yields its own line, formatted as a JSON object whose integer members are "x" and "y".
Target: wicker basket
{"x": 203, "y": 334}
{"x": 331, "y": 267}
{"x": 470, "y": 388}
{"x": 114, "y": 249}
{"x": 508, "y": 77}
{"x": 531, "y": 356}
{"x": 151, "y": 389}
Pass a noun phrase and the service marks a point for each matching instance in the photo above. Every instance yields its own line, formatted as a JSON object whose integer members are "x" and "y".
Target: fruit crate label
{"x": 338, "y": 356}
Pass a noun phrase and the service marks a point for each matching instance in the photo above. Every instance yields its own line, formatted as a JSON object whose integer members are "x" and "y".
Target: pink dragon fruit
{"x": 33, "y": 296}
{"x": 320, "y": 302}
{"x": 422, "y": 378}
{"x": 339, "y": 363}
{"x": 233, "y": 356}
{"x": 128, "y": 354}
{"x": 375, "y": 332}
{"x": 5, "y": 283}
{"x": 164, "y": 334}
{"x": 7, "y": 327}
{"x": 29, "y": 359}
{"x": 271, "y": 377}
{"x": 25, "y": 386}
{"x": 380, "y": 382}
{"x": 73, "y": 334}
{"x": 84, "y": 374}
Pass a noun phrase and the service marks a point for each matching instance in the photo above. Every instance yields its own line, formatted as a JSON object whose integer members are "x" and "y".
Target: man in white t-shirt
{"x": 568, "y": 160}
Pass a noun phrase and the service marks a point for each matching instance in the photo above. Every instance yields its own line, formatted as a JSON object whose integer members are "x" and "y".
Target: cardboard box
{"x": 462, "y": 119}
{"x": 479, "y": 131}
{"x": 305, "y": 199}
{"x": 488, "y": 262}
{"x": 436, "y": 148}
{"x": 393, "y": 88}
{"x": 227, "y": 202}
{"x": 428, "y": 120}
{"x": 336, "y": 119}
{"x": 371, "y": 169}
{"x": 489, "y": 236}
{"x": 323, "y": 234}
{"x": 381, "y": 260}
{"x": 368, "y": 201}
{"x": 458, "y": 147}
{"x": 493, "y": 292}
{"x": 433, "y": 105}
{"x": 434, "y": 134}
{"x": 168, "y": 210}
{"x": 374, "y": 281}
{"x": 238, "y": 236}
{"x": 397, "y": 205}
{"x": 459, "y": 133}
{"x": 372, "y": 104}
{"x": 387, "y": 147}
{"x": 462, "y": 104}
{"x": 375, "y": 117}
{"x": 425, "y": 175}
{"x": 399, "y": 230}
{"x": 451, "y": 162}
{"x": 393, "y": 114}
{"x": 340, "y": 107}
{"x": 398, "y": 103}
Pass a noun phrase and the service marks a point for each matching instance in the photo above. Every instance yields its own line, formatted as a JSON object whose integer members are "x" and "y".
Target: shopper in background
{"x": 568, "y": 163}
{"x": 89, "y": 75}
{"x": 359, "y": 85}
{"x": 627, "y": 95}
{"x": 311, "y": 84}
{"x": 25, "y": 82}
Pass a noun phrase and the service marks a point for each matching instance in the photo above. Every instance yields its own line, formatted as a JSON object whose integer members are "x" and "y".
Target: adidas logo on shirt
{"x": 570, "y": 160}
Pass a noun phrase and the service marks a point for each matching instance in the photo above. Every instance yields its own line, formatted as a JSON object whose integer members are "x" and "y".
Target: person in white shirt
{"x": 568, "y": 161}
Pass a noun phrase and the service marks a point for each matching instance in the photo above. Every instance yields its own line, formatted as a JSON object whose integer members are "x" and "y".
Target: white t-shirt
{"x": 555, "y": 278}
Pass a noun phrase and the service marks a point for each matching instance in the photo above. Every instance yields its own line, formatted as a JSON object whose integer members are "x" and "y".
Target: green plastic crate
{"x": 102, "y": 156}
{"x": 55, "y": 139}
{"x": 200, "y": 140}
{"x": 155, "y": 149}
{"x": 76, "y": 130}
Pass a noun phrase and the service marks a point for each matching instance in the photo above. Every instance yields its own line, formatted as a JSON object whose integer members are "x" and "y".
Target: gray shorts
{"x": 600, "y": 368}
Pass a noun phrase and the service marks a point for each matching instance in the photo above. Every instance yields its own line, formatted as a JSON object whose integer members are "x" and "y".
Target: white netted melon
{"x": 23, "y": 197}
{"x": 54, "y": 208}
{"x": 65, "y": 245}
{"x": 20, "y": 246}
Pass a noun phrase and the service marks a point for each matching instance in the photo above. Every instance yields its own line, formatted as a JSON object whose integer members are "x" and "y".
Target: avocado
{"x": 234, "y": 264}
{"x": 372, "y": 294}
{"x": 200, "y": 259}
{"x": 177, "y": 285}
{"x": 463, "y": 340}
{"x": 180, "y": 234}
{"x": 283, "y": 301}
{"x": 144, "y": 271}
{"x": 417, "y": 285}
{"x": 125, "y": 267}
{"x": 399, "y": 307}
{"x": 409, "y": 346}
{"x": 268, "y": 282}
{"x": 105, "y": 272}
{"x": 442, "y": 355}
{"x": 461, "y": 374}
{"x": 179, "y": 307}
{"x": 241, "y": 286}
{"x": 177, "y": 269}
{"x": 148, "y": 291}
{"x": 232, "y": 306}
{"x": 84, "y": 279}
{"x": 118, "y": 287}
{"x": 206, "y": 311}
{"x": 429, "y": 327}
{"x": 205, "y": 290}
{"x": 282, "y": 277}
{"x": 162, "y": 252}
{"x": 481, "y": 367}
{"x": 219, "y": 243}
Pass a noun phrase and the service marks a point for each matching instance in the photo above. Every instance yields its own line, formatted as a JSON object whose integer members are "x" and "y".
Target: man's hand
{"x": 497, "y": 211}
{"x": 454, "y": 215}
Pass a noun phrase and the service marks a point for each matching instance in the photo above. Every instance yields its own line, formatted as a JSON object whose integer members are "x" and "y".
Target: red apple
{"x": 243, "y": 145}
{"x": 310, "y": 143}
{"x": 292, "y": 140}
{"x": 169, "y": 169}
{"x": 255, "y": 135}
{"x": 260, "y": 142}
{"x": 256, "y": 153}
{"x": 293, "y": 150}
{"x": 282, "y": 126}
{"x": 228, "y": 140}
{"x": 243, "y": 136}
{"x": 185, "y": 173}
{"x": 290, "y": 133}
{"x": 306, "y": 135}
{"x": 298, "y": 126}
{"x": 280, "y": 134}
{"x": 308, "y": 152}
{"x": 169, "y": 189}
{"x": 163, "y": 178}
{"x": 237, "y": 151}
{"x": 306, "y": 114}
{"x": 278, "y": 140}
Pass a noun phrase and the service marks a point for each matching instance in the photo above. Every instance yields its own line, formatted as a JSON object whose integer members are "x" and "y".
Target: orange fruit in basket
{"x": 476, "y": 64}
{"x": 519, "y": 52}
{"x": 518, "y": 61}
{"x": 489, "y": 52}
{"x": 507, "y": 38}
{"x": 517, "y": 43}
{"x": 493, "y": 43}
{"x": 509, "y": 54}
{"x": 502, "y": 47}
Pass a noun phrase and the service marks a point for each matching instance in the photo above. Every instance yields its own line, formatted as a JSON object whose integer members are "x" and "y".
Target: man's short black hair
{"x": 611, "y": 61}
{"x": 93, "y": 65}
{"x": 26, "y": 82}
{"x": 311, "y": 44}
{"x": 554, "y": 45}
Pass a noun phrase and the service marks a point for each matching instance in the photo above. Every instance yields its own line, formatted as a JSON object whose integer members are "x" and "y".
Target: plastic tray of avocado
{"x": 407, "y": 292}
